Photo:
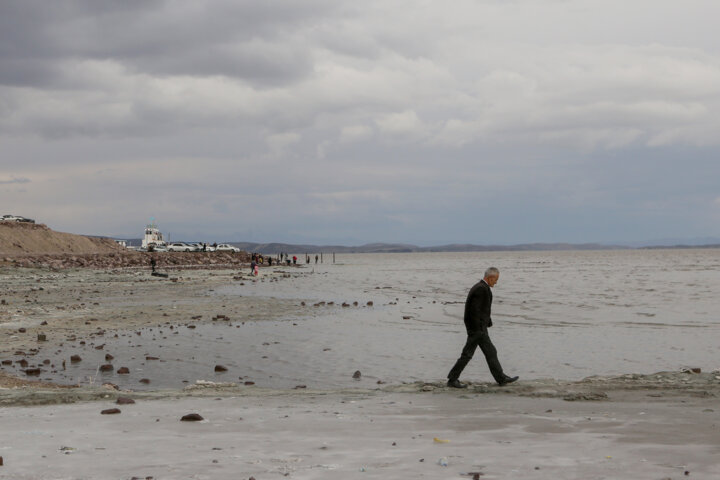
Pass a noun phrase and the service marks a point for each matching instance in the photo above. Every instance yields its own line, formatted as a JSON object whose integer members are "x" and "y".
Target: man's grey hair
{"x": 492, "y": 272}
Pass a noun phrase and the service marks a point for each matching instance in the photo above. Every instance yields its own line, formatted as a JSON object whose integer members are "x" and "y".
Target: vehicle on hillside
{"x": 180, "y": 247}
{"x": 226, "y": 247}
{"x": 16, "y": 218}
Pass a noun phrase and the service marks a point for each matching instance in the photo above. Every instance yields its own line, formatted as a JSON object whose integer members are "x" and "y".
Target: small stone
{"x": 106, "y": 368}
{"x": 75, "y": 358}
{"x": 145, "y": 380}
{"x": 108, "y": 357}
{"x": 124, "y": 401}
{"x": 357, "y": 375}
{"x": 249, "y": 383}
{"x": 151, "y": 358}
{"x": 33, "y": 372}
{"x": 298, "y": 387}
{"x": 123, "y": 370}
{"x": 220, "y": 368}
{"x": 1, "y": 459}
{"x": 696, "y": 370}
{"x": 191, "y": 417}
{"x": 22, "y": 330}
{"x": 41, "y": 337}
{"x": 370, "y": 303}
{"x": 110, "y": 411}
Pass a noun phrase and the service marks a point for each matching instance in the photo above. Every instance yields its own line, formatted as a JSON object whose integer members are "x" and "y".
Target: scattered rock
{"x": 297, "y": 387}
{"x": 151, "y": 358}
{"x": 22, "y": 330}
{"x": 191, "y": 417}
{"x": 590, "y": 396}
{"x": 145, "y": 380}
{"x": 106, "y": 368}
{"x": 41, "y": 337}
{"x": 124, "y": 401}
{"x": 110, "y": 411}
{"x": 75, "y": 359}
{"x": 220, "y": 368}
{"x": 249, "y": 383}
{"x": 108, "y": 357}
{"x": 33, "y": 372}
{"x": 370, "y": 303}
{"x": 123, "y": 370}
{"x": 357, "y": 375}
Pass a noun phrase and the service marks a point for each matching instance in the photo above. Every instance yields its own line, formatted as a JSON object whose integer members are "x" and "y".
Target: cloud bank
{"x": 333, "y": 121}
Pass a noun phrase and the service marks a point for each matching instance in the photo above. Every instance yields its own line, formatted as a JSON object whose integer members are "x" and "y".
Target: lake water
{"x": 565, "y": 315}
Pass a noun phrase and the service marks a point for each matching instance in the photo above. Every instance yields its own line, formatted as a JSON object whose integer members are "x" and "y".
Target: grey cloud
{"x": 364, "y": 121}
{"x": 14, "y": 180}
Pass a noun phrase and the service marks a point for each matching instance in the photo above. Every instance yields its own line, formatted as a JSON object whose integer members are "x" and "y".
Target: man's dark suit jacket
{"x": 477, "y": 308}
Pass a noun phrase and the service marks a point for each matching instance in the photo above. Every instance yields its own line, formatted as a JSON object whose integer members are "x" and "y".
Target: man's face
{"x": 492, "y": 280}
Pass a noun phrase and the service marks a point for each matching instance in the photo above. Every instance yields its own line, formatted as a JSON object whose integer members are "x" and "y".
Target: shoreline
{"x": 654, "y": 426}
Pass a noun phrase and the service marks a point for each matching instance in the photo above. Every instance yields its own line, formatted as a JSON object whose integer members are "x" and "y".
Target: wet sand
{"x": 654, "y": 426}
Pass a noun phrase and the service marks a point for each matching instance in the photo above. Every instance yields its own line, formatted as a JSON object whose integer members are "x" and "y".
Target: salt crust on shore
{"x": 382, "y": 434}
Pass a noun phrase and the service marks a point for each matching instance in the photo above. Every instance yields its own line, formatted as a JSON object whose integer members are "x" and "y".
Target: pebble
{"x": 220, "y": 368}
{"x": 106, "y": 368}
{"x": 110, "y": 411}
{"x": 124, "y": 401}
{"x": 191, "y": 417}
{"x": 357, "y": 375}
{"x": 75, "y": 358}
{"x": 123, "y": 370}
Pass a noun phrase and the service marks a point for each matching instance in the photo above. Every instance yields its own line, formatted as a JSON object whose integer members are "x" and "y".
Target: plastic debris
{"x": 440, "y": 440}
{"x": 443, "y": 462}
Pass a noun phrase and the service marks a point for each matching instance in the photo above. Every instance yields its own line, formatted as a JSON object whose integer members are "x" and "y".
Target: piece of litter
{"x": 443, "y": 462}
{"x": 440, "y": 440}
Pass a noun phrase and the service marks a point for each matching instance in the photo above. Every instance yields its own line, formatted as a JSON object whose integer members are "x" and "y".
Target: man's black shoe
{"x": 507, "y": 380}
{"x": 456, "y": 384}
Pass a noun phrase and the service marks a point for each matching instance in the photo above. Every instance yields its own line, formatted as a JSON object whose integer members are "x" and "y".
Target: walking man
{"x": 477, "y": 322}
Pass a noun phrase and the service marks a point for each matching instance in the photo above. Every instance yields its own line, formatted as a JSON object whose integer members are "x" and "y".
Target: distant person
{"x": 204, "y": 247}
{"x": 252, "y": 266}
{"x": 294, "y": 259}
{"x": 316, "y": 259}
{"x": 477, "y": 322}
{"x": 153, "y": 264}
{"x": 269, "y": 261}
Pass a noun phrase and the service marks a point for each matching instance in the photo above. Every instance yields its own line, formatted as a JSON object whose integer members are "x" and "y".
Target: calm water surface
{"x": 566, "y": 315}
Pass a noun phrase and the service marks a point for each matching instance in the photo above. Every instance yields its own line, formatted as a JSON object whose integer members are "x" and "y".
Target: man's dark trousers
{"x": 478, "y": 339}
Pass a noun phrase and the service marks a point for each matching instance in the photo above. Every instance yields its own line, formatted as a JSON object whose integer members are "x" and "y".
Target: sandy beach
{"x": 653, "y": 426}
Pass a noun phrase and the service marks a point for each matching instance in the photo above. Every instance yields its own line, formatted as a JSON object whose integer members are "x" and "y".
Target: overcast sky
{"x": 329, "y": 121}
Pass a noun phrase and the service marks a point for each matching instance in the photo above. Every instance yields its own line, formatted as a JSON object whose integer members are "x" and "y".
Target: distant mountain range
{"x": 276, "y": 248}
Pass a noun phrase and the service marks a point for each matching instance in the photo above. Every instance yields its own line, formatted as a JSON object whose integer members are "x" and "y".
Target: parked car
{"x": 225, "y": 247}
{"x": 180, "y": 247}
{"x": 157, "y": 247}
{"x": 16, "y": 218}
